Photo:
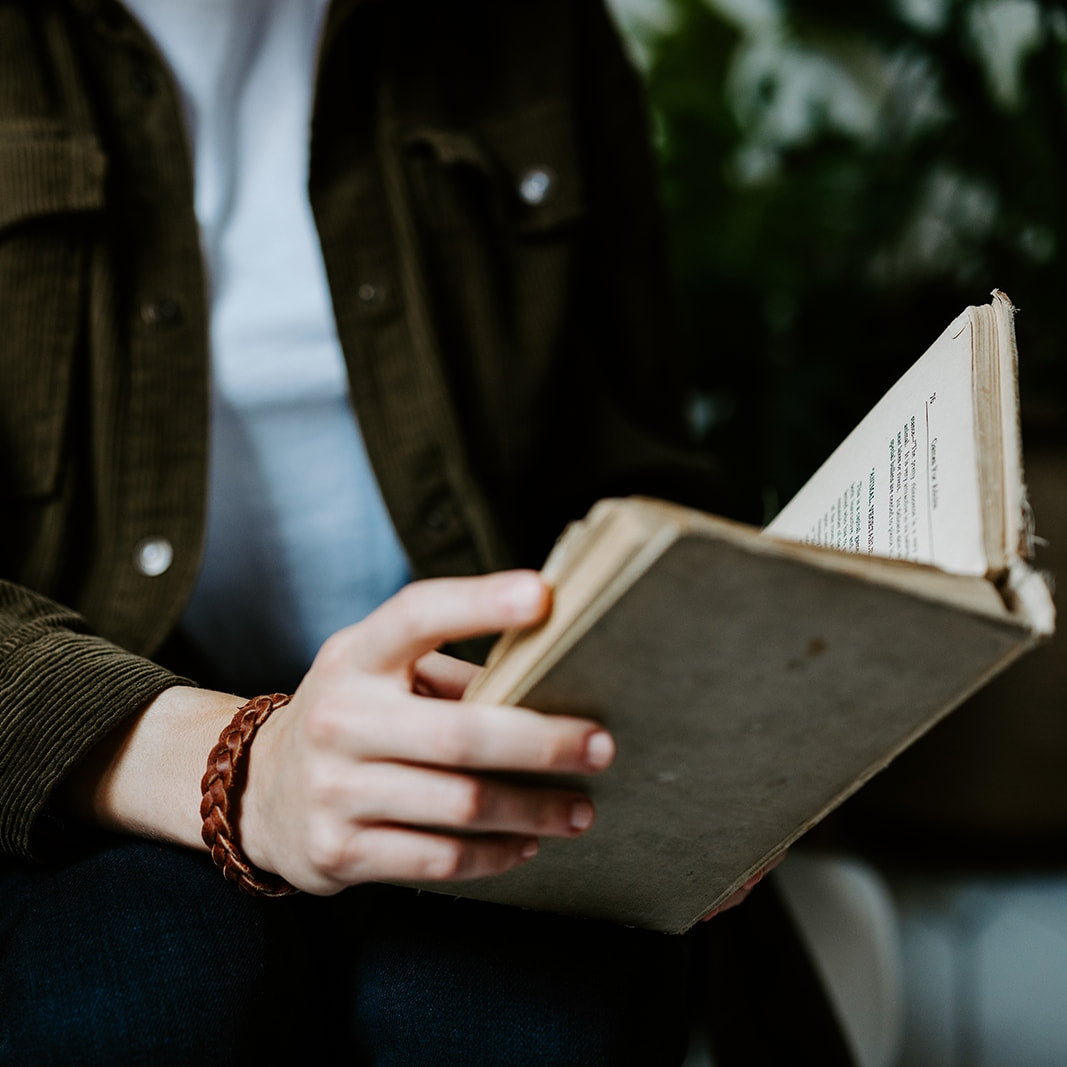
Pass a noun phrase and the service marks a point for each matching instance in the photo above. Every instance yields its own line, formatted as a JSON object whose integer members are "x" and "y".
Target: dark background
{"x": 840, "y": 185}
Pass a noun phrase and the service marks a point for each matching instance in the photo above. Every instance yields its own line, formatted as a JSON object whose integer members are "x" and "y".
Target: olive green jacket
{"x": 485, "y": 198}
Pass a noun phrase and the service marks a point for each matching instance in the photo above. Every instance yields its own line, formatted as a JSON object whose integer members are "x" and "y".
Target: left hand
{"x": 736, "y": 898}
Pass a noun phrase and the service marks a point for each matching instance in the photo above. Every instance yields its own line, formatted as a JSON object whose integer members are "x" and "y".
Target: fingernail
{"x": 599, "y": 750}
{"x": 581, "y": 815}
{"x": 530, "y": 849}
{"x": 525, "y": 594}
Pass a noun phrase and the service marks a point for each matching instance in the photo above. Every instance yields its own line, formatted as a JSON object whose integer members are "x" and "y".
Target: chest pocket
{"x": 520, "y": 175}
{"x": 502, "y": 210}
{"x": 51, "y": 193}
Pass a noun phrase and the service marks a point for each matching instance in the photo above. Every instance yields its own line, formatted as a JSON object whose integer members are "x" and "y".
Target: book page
{"x": 904, "y": 484}
{"x": 1017, "y": 533}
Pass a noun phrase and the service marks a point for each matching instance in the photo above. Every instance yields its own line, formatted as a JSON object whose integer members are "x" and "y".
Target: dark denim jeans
{"x": 141, "y": 953}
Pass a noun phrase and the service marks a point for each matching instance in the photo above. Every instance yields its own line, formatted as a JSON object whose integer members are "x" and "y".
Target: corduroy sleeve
{"x": 62, "y": 689}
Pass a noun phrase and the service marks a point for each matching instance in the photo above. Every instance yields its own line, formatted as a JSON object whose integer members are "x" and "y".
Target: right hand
{"x": 376, "y": 772}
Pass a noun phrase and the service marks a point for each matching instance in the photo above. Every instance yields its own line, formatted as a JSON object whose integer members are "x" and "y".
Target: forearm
{"x": 144, "y": 779}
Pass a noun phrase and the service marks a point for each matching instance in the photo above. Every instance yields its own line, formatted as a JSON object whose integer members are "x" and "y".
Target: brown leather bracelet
{"x": 221, "y": 787}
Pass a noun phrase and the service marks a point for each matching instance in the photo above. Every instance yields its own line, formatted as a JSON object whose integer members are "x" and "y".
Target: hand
{"x": 739, "y": 897}
{"x": 375, "y": 771}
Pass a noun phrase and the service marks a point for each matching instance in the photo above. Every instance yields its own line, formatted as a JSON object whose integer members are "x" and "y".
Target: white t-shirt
{"x": 296, "y": 524}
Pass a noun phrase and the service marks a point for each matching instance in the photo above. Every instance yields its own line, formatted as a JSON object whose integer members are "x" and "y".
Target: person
{"x": 320, "y": 321}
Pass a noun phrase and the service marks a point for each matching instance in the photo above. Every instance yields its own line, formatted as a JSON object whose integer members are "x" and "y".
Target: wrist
{"x": 144, "y": 777}
{"x": 222, "y": 787}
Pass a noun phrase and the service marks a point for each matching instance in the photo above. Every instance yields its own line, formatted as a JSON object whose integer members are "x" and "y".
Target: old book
{"x": 755, "y": 679}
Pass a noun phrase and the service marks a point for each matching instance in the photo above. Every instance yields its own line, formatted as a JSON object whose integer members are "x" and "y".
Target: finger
{"x": 400, "y": 854}
{"x": 429, "y": 798}
{"x": 741, "y": 894}
{"x": 427, "y": 614}
{"x": 443, "y": 676}
{"x": 731, "y": 901}
{"x": 472, "y": 736}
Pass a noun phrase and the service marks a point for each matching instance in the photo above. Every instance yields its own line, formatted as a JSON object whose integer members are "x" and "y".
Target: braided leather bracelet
{"x": 221, "y": 787}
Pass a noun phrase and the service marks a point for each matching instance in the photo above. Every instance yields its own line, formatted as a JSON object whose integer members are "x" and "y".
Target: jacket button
{"x": 161, "y": 313}
{"x": 153, "y": 556}
{"x": 536, "y": 185}
{"x": 440, "y": 518}
{"x": 369, "y": 293}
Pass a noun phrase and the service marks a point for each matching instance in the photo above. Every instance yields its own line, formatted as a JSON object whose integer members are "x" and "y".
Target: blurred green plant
{"x": 841, "y": 180}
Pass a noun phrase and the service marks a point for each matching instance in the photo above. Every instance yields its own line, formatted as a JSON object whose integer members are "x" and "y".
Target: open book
{"x": 753, "y": 680}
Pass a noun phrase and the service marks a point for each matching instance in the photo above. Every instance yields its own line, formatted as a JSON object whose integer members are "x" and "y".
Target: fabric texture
{"x": 505, "y": 349}
{"x": 140, "y": 953}
{"x": 485, "y": 198}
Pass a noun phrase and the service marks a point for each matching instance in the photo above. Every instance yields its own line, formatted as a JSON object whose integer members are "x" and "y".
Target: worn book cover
{"x": 755, "y": 679}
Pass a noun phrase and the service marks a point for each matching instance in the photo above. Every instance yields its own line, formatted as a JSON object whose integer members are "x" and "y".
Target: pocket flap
{"x": 46, "y": 170}
{"x": 538, "y": 151}
{"x": 51, "y": 182}
{"x": 525, "y": 164}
